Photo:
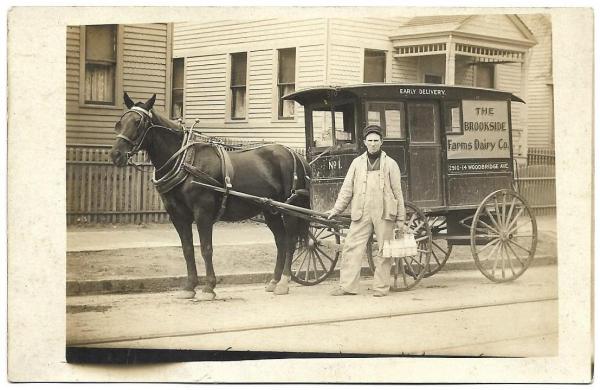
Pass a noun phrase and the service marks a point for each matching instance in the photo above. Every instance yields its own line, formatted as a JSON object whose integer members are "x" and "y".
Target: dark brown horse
{"x": 266, "y": 171}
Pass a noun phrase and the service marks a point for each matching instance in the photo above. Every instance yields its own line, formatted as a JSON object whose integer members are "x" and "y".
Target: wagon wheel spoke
{"x": 495, "y": 258}
{"x": 519, "y": 245}
{"x": 494, "y": 222}
{"x": 515, "y": 219}
{"x": 319, "y": 250}
{"x": 488, "y": 245}
{"x": 302, "y": 263}
{"x": 318, "y": 257}
{"x": 516, "y": 228}
{"x": 487, "y": 226}
{"x": 510, "y": 210}
{"x": 497, "y": 208}
{"x": 509, "y": 260}
{"x": 515, "y": 254}
{"x": 504, "y": 208}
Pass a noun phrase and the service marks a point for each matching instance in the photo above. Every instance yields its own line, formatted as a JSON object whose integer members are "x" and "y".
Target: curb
{"x": 168, "y": 283}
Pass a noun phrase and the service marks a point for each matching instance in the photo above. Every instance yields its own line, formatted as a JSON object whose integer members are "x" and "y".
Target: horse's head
{"x": 131, "y": 130}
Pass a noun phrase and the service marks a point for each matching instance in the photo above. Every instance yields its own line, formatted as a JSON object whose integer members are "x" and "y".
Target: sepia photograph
{"x": 253, "y": 187}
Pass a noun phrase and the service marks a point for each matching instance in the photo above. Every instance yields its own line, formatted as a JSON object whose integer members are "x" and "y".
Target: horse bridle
{"x": 136, "y": 144}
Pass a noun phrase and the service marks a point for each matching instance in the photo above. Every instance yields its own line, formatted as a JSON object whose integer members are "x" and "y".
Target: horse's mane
{"x": 162, "y": 119}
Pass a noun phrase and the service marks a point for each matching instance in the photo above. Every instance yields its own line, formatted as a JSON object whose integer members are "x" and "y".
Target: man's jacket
{"x": 355, "y": 187}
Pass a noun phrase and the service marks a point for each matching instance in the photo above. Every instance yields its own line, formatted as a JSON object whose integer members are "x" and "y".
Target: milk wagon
{"x": 454, "y": 146}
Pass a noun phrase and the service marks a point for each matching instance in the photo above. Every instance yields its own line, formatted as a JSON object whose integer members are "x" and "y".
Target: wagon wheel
{"x": 440, "y": 249}
{"x": 315, "y": 259}
{"x": 505, "y": 227}
{"x": 408, "y": 271}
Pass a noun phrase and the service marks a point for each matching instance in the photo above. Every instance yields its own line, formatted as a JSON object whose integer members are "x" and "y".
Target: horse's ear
{"x": 150, "y": 103}
{"x": 128, "y": 102}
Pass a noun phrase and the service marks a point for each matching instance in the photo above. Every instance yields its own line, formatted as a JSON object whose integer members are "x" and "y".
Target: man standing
{"x": 372, "y": 184}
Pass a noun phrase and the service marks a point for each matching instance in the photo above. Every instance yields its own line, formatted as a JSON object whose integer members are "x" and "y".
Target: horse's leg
{"x": 290, "y": 236}
{"x": 205, "y": 231}
{"x": 295, "y": 229}
{"x": 184, "y": 229}
{"x": 275, "y": 223}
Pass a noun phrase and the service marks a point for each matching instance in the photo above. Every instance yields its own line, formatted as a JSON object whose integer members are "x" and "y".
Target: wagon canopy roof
{"x": 377, "y": 90}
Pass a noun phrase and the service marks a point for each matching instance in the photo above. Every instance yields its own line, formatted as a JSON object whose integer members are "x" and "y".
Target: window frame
{"x": 385, "y": 64}
{"x": 403, "y": 119}
{"x": 426, "y": 74}
{"x": 450, "y": 104}
{"x": 118, "y": 89}
{"x": 183, "y": 72}
{"x": 278, "y": 106}
{"x": 494, "y": 70}
{"x": 231, "y": 87}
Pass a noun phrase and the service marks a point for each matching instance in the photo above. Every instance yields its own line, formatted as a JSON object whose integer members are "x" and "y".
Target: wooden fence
{"x": 540, "y": 156}
{"x": 99, "y": 193}
{"x": 537, "y": 184}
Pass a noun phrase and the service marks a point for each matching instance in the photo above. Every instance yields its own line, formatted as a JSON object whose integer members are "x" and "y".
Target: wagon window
{"x": 338, "y": 128}
{"x": 423, "y": 122}
{"x": 390, "y": 116}
{"x": 452, "y": 118}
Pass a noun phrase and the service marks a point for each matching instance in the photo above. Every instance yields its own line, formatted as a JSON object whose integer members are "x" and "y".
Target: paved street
{"x": 452, "y": 313}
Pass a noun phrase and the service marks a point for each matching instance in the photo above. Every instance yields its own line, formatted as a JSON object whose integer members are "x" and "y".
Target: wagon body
{"x": 453, "y": 144}
{"x": 454, "y": 148}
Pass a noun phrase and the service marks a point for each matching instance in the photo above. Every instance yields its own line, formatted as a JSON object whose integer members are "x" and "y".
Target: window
{"x": 390, "y": 116}
{"x": 100, "y": 64}
{"x": 422, "y": 122}
{"x": 433, "y": 79}
{"x": 239, "y": 63}
{"x": 374, "y": 68}
{"x": 484, "y": 75}
{"x": 286, "y": 82}
{"x": 337, "y": 128}
{"x": 452, "y": 118}
{"x": 177, "y": 88}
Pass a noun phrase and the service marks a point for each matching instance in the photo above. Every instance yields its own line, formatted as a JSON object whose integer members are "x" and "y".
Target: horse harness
{"x": 184, "y": 164}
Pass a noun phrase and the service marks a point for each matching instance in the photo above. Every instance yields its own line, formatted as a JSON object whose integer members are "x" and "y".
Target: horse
{"x": 267, "y": 171}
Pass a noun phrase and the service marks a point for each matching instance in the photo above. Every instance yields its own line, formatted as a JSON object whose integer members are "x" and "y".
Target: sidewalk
{"x": 123, "y": 259}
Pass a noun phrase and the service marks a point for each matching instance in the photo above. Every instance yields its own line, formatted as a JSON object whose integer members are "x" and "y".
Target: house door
{"x": 425, "y": 157}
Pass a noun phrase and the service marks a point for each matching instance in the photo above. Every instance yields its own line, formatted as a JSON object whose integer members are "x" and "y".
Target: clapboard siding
{"x": 493, "y": 25}
{"x": 143, "y": 73}
{"x": 463, "y": 71}
{"x": 509, "y": 79}
{"x": 310, "y": 66}
{"x": 539, "y": 89}
{"x": 345, "y": 64}
{"x": 206, "y": 87}
{"x": 194, "y": 36}
{"x": 404, "y": 70}
{"x": 366, "y": 29}
{"x": 260, "y": 84}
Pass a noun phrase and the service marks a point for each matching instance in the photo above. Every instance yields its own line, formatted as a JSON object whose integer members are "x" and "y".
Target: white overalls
{"x": 356, "y": 242}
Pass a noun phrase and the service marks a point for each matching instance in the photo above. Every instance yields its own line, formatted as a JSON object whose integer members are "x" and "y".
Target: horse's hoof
{"x": 206, "y": 296}
{"x": 281, "y": 290}
{"x": 270, "y": 287}
{"x": 185, "y": 294}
